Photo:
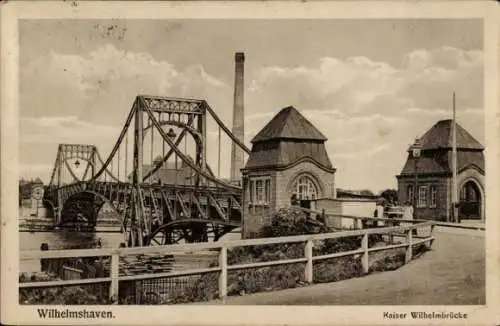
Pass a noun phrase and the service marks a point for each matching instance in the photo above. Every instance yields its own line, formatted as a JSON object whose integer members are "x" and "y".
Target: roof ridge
{"x": 289, "y": 123}
{"x": 283, "y": 111}
{"x": 439, "y": 136}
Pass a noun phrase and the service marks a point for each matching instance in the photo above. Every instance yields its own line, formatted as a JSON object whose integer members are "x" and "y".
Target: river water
{"x": 63, "y": 239}
{"x": 60, "y": 240}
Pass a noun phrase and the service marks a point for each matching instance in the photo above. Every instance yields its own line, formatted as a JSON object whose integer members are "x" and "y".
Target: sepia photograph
{"x": 221, "y": 161}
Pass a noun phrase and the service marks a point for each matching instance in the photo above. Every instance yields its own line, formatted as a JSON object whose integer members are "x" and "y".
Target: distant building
{"x": 355, "y": 194}
{"x": 426, "y": 180}
{"x": 288, "y": 162}
{"x": 26, "y": 188}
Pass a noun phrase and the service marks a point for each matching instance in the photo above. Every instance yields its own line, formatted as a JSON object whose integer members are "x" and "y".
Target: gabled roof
{"x": 289, "y": 124}
{"x": 440, "y": 137}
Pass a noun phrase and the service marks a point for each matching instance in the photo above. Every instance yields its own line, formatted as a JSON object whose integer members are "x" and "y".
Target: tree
{"x": 390, "y": 195}
{"x": 366, "y": 192}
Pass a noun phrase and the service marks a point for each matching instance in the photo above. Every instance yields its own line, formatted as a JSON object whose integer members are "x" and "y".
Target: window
{"x": 260, "y": 190}
{"x": 409, "y": 194}
{"x": 267, "y": 190}
{"x": 433, "y": 198}
{"x": 422, "y": 196}
{"x": 251, "y": 190}
{"x": 305, "y": 188}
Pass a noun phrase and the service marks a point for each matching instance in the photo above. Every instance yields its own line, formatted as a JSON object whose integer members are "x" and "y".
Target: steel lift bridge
{"x": 192, "y": 206}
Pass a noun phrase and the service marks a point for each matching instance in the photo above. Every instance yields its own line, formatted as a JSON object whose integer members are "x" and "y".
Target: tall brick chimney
{"x": 237, "y": 158}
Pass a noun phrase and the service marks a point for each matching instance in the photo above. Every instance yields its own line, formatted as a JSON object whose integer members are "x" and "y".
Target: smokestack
{"x": 238, "y": 116}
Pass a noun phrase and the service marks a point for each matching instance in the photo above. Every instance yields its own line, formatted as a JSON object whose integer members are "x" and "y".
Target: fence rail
{"x": 407, "y": 232}
{"x": 390, "y": 221}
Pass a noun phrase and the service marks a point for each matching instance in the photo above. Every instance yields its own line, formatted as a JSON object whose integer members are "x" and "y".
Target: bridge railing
{"x": 372, "y": 240}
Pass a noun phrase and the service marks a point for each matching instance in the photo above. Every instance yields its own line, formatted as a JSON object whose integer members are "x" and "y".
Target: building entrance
{"x": 470, "y": 201}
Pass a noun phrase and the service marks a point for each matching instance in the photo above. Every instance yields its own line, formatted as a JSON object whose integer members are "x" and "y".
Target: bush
{"x": 286, "y": 222}
{"x": 289, "y": 222}
{"x": 75, "y": 295}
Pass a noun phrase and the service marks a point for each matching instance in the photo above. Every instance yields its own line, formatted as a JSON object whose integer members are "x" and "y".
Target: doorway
{"x": 470, "y": 205}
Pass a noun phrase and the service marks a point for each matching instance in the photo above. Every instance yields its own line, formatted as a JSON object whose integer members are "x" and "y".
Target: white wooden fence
{"x": 358, "y": 220}
{"x": 405, "y": 231}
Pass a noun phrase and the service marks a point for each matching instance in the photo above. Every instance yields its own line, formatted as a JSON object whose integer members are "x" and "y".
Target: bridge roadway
{"x": 452, "y": 273}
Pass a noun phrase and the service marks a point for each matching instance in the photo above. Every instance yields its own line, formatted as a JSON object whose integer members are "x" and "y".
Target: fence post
{"x": 391, "y": 236}
{"x": 223, "y": 273}
{"x": 431, "y": 235}
{"x": 364, "y": 258}
{"x": 114, "y": 274}
{"x": 409, "y": 241}
{"x": 309, "y": 264}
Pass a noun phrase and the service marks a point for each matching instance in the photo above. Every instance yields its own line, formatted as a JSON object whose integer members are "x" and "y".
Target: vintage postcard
{"x": 249, "y": 163}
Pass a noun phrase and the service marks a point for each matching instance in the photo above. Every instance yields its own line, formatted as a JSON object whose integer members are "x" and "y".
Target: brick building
{"x": 288, "y": 158}
{"x": 426, "y": 179}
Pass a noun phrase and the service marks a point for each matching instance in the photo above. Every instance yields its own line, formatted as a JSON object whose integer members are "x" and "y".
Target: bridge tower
{"x": 153, "y": 114}
{"x": 152, "y": 204}
{"x": 69, "y": 158}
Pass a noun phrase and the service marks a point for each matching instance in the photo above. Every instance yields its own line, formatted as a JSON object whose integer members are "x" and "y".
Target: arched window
{"x": 305, "y": 188}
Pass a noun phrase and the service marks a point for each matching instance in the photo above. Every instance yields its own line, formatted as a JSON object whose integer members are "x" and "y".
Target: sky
{"x": 370, "y": 86}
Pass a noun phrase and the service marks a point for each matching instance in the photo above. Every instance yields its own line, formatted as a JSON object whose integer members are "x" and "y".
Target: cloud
{"x": 369, "y": 110}
{"x": 64, "y": 129}
{"x": 432, "y": 76}
{"x": 101, "y": 86}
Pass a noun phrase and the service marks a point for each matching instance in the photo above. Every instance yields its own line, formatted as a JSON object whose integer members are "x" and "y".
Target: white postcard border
{"x": 12, "y": 312}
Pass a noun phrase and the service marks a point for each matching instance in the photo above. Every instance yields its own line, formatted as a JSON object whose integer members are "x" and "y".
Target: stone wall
{"x": 280, "y": 192}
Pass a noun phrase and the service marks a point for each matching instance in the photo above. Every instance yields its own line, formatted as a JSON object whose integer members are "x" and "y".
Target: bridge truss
{"x": 156, "y": 176}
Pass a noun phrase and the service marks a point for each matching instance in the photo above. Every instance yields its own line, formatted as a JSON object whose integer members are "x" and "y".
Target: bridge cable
{"x": 75, "y": 177}
{"x": 226, "y": 129}
{"x": 169, "y": 153}
{"x": 218, "y": 162}
{"x": 183, "y": 157}
{"x": 119, "y": 148}
{"x": 163, "y": 143}
{"x": 56, "y": 164}
{"x": 152, "y": 146}
{"x": 119, "y": 141}
{"x": 126, "y": 157}
{"x": 86, "y": 169}
{"x": 106, "y": 170}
